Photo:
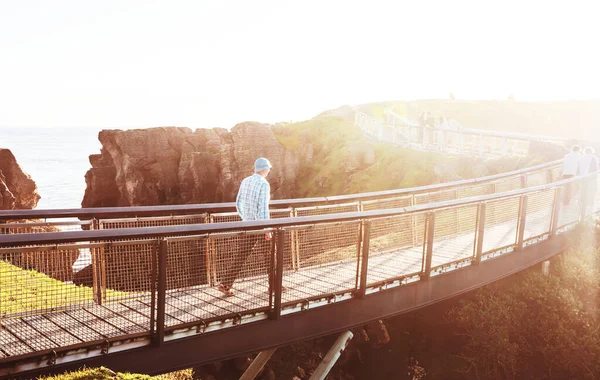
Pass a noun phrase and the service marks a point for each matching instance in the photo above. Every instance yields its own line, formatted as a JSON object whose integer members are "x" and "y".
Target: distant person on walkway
{"x": 570, "y": 170}
{"x": 252, "y": 203}
{"x": 589, "y": 164}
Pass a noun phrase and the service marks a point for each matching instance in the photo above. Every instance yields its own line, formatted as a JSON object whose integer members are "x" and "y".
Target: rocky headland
{"x": 17, "y": 189}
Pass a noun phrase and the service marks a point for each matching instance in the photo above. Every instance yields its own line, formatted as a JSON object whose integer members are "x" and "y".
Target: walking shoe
{"x": 227, "y": 292}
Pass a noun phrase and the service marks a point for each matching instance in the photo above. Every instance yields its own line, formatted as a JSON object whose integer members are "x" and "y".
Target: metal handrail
{"x": 146, "y": 232}
{"x": 169, "y": 210}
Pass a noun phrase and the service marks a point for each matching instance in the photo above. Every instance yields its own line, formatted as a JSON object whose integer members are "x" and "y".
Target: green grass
{"x": 103, "y": 373}
{"x": 27, "y": 290}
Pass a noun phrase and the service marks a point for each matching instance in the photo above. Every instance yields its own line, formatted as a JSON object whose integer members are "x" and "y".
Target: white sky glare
{"x": 207, "y": 64}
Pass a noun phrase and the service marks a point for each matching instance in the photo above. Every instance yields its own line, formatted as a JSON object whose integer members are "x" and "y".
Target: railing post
{"x": 364, "y": 265}
{"x": 480, "y": 232}
{"x": 278, "y": 275}
{"x": 523, "y": 181}
{"x": 428, "y": 245}
{"x": 558, "y": 192}
{"x": 162, "y": 292}
{"x": 549, "y": 178}
{"x": 97, "y": 274}
{"x": 153, "y": 292}
{"x": 522, "y": 221}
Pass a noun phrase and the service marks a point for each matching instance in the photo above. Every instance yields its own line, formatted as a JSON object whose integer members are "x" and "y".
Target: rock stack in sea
{"x": 17, "y": 189}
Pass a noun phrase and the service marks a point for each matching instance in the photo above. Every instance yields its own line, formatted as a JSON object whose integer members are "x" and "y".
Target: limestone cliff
{"x": 173, "y": 165}
{"x": 17, "y": 189}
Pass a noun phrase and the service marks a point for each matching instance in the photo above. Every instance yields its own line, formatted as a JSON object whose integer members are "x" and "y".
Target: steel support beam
{"x": 332, "y": 356}
{"x": 257, "y": 364}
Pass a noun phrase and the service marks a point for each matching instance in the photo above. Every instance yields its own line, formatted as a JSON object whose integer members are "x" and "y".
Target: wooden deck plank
{"x": 144, "y": 305}
{"x": 120, "y": 322}
{"x": 68, "y": 323}
{"x": 94, "y": 323}
{"x": 59, "y": 336}
{"x": 133, "y": 315}
{"x": 11, "y": 345}
{"x": 26, "y": 334}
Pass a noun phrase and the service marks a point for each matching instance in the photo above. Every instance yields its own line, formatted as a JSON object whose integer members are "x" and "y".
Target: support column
{"x": 332, "y": 356}
{"x": 258, "y": 364}
{"x": 546, "y": 268}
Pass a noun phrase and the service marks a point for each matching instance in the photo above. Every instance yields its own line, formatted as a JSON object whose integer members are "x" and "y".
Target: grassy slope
{"x": 571, "y": 119}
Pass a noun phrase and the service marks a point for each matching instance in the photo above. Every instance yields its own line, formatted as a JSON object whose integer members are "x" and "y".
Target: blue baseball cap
{"x": 261, "y": 164}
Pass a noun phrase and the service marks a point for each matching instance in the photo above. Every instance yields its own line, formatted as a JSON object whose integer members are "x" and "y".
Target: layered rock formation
{"x": 17, "y": 189}
{"x": 172, "y": 165}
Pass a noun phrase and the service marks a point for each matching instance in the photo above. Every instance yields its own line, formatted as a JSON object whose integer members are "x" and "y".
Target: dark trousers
{"x": 568, "y": 190}
{"x": 246, "y": 247}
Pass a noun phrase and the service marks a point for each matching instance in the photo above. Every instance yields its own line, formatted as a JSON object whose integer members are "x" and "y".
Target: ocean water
{"x": 55, "y": 158}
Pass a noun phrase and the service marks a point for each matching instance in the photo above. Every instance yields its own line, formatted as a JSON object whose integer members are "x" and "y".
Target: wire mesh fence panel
{"x": 556, "y": 173}
{"x": 189, "y": 298}
{"x": 126, "y": 267}
{"x": 570, "y": 205}
{"x": 474, "y": 190}
{"x": 501, "y": 219}
{"x": 240, "y": 262}
{"x": 395, "y": 247}
{"x": 539, "y": 213}
{"x": 281, "y": 213}
{"x": 328, "y": 259}
{"x": 37, "y": 226}
{"x": 507, "y": 184}
{"x": 105, "y": 224}
{"x": 537, "y": 178}
{"x": 454, "y": 234}
{"x": 187, "y": 262}
{"x": 37, "y": 280}
{"x": 225, "y": 217}
{"x": 328, "y": 209}
{"x": 381, "y": 204}
{"x": 437, "y": 196}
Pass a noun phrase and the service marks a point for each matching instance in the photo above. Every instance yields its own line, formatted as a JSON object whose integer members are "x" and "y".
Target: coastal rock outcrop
{"x": 17, "y": 189}
{"x": 172, "y": 165}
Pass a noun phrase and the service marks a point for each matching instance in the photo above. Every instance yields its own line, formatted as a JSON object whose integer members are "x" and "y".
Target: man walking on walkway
{"x": 570, "y": 168}
{"x": 252, "y": 203}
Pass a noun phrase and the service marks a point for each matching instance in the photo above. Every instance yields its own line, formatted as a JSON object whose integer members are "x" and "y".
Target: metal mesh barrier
{"x": 570, "y": 205}
{"x": 190, "y": 296}
{"x": 507, "y": 184}
{"x": 454, "y": 235}
{"x": 155, "y": 221}
{"x": 476, "y": 190}
{"x": 381, "y": 204}
{"x": 438, "y": 196}
{"x": 328, "y": 259}
{"x": 539, "y": 213}
{"x": 537, "y": 178}
{"x": 37, "y": 226}
{"x": 26, "y": 290}
{"x": 501, "y": 219}
{"x": 395, "y": 247}
{"x": 328, "y": 209}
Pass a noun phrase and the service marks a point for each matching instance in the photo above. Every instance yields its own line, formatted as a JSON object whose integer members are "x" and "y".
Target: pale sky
{"x": 134, "y": 63}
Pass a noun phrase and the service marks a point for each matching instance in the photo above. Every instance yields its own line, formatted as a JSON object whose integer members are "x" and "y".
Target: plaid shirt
{"x": 252, "y": 202}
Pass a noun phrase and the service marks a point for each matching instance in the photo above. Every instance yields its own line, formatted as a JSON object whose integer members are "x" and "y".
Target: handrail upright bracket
{"x": 362, "y": 288}
{"x": 278, "y": 275}
{"x": 521, "y": 222}
{"x": 162, "y": 292}
{"x": 480, "y": 232}
{"x": 428, "y": 245}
